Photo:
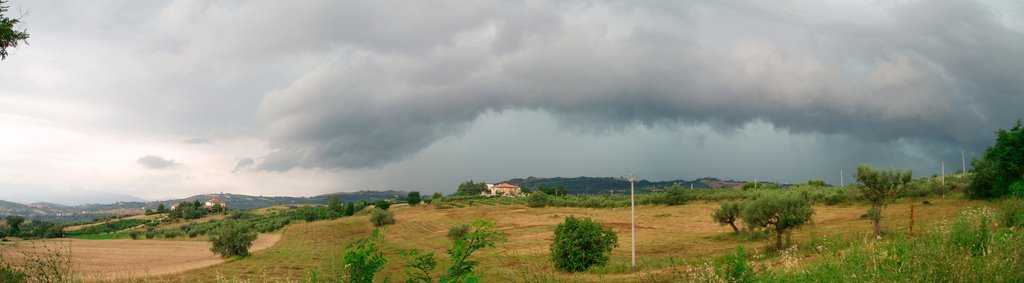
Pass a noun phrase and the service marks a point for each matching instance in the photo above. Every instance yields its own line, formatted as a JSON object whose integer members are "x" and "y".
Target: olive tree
{"x": 9, "y": 35}
{"x": 233, "y": 238}
{"x": 779, "y": 212}
{"x": 728, "y": 214}
{"x": 880, "y": 185}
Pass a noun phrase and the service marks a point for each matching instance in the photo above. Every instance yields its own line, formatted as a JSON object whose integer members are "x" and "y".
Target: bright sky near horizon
{"x": 118, "y": 100}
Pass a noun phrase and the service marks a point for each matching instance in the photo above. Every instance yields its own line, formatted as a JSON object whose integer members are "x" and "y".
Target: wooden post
{"x": 632, "y": 216}
{"x": 911, "y": 220}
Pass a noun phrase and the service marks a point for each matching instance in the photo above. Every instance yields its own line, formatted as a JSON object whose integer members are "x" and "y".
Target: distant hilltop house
{"x": 503, "y": 189}
{"x": 209, "y": 204}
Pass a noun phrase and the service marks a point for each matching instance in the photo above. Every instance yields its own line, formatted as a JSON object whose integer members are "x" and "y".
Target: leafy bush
{"x": 581, "y": 243}
{"x": 733, "y": 267}
{"x": 413, "y": 198}
{"x": 382, "y": 204}
{"x": 537, "y": 199}
{"x": 1017, "y": 189}
{"x": 1011, "y": 214}
{"x": 380, "y": 217}
{"x": 1001, "y": 166}
{"x": 134, "y": 235}
{"x": 9, "y": 274}
{"x": 458, "y": 231}
{"x": 676, "y": 195}
{"x": 150, "y": 234}
{"x": 233, "y": 238}
{"x": 364, "y": 258}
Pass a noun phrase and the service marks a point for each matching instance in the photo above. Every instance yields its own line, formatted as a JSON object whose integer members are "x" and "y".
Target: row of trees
{"x": 17, "y": 226}
{"x": 781, "y": 212}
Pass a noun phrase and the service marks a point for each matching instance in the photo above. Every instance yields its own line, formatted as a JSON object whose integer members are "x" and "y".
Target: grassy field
{"x": 104, "y": 260}
{"x": 670, "y": 240}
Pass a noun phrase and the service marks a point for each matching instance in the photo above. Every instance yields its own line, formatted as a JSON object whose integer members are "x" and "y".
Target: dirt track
{"x": 118, "y": 259}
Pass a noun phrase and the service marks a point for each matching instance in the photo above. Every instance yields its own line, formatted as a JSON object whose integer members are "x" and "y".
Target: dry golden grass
{"x": 121, "y": 259}
{"x": 685, "y": 234}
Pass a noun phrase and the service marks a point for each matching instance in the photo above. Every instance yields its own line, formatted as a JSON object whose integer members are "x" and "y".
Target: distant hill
{"x": 255, "y": 202}
{"x": 54, "y": 211}
{"x": 606, "y": 185}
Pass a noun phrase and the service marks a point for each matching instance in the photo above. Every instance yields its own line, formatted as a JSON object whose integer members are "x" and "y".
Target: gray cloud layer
{"x": 156, "y": 162}
{"x": 400, "y": 79}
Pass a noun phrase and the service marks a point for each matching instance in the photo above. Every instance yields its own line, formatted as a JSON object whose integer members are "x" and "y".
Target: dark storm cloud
{"x": 400, "y": 76}
{"x": 156, "y": 162}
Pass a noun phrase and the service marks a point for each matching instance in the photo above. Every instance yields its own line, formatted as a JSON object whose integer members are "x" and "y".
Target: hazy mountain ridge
{"x": 616, "y": 185}
{"x": 48, "y": 210}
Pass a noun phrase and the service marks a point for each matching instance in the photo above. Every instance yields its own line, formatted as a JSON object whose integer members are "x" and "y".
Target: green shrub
{"x": 1017, "y": 189}
{"x": 233, "y": 238}
{"x": 537, "y": 199}
{"x": 380, "y": 217}
{"x": 1001, "y": 166}
{"x": 134, "y": 235}
{"x": 676, "y": 195}
{"x": 413, "y": 198}
{"x": 382, "y": 204}
{"x": 171, "y": 234}
{"x": 150, "y": 234}
{"x": 364, "y": 258}
{"x": 9, "y": 274}
{"x": 970, "y": 231}
{"x": 733, "y": 267}
{"x": 1011, "y": 214}
{"x": 581, "y": 243}
{"x": 458, "y": 231}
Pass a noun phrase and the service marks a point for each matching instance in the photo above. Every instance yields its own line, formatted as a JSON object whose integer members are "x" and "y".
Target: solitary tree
{"x": 161, "y": 208}
{"x": 728, "y": 214}
{"x": 233, "y": 238}
{"x": 581, "y": 243}
{"x": 350, "y": 209}
{"x": 414, "y": 198}
{"x": 14, "y": 222}
{"x": 334, "y": 205}
{"x": 880, "y": 185}
{"x": 780, "y": 212}
{"x": 9, "y": 36}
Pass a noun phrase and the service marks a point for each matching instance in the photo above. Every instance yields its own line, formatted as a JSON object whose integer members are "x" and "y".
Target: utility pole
{"x": 841, "y": 184}
{"x": 755, "y": 182}
{"x": 632, "y": 216}
{"x": 943, "y": 177}
{"x": 963, "y": 163}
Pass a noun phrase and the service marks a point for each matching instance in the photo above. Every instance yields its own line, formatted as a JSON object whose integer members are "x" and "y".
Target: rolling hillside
{"x": 605, "y": 185}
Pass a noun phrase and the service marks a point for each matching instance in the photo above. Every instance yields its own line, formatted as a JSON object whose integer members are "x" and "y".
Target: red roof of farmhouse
{"x": 505, "y": 185}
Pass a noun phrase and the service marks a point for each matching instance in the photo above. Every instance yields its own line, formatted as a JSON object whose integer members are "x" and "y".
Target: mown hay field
{"x": 669, "y": 239}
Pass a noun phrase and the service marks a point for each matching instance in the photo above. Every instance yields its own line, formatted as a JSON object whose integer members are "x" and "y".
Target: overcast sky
{"x": 161, "y": 99}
